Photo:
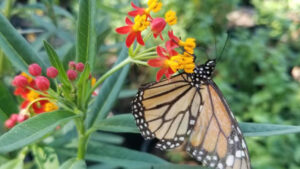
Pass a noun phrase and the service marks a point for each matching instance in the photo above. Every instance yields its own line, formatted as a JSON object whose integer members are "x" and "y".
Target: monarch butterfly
{"x": 191, "y": 107}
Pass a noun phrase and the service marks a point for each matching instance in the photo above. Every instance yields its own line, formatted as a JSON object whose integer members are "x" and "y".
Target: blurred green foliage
{"x": 254, "y": 72}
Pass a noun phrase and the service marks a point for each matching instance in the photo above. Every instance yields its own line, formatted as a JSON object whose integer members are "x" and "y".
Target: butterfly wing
{"x": 167, "y": 110}
{"x": 216, "y": 139}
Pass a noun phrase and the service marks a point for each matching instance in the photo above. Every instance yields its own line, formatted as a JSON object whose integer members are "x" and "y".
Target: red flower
{"x": 80, "y": 67}
{"x": 164, "y": 61}
{"x": 72, "y": 74}
{"x": 35, "y": 69}
{"x": 20, "y": 81}
{"x": 52, "y": 72}
{"x": 42, "y": 83}
{"x": 132, "y": 33}
{"x": 174, "y": 40}
{"x": 157, "y": 26}
{"x": 9, "y": 123}
{"x": 137, "y": 11}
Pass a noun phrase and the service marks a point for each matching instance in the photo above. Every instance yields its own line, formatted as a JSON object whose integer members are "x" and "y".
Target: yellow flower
{"x": 32, "y": 95}
{"x": 93, "y": 81}
{"x": 189, "y": 45}
{"x": 140, "y": 23}
{"x": 50, "y": 107}
{"x": 171, "y": 17}
{"x": 154, "y": 6}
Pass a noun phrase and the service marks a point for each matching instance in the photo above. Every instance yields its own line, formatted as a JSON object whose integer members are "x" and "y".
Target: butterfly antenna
{"x": 224, "y": 47}
{"x": 215, "y": 41}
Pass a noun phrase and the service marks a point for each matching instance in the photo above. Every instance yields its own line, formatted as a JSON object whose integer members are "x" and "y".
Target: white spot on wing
{"x": 230, "y": 160}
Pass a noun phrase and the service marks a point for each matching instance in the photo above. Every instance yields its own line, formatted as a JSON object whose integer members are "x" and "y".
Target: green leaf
{"x": 86, "y": 32}
{"x": 260, "y": 129}
{"x": 55, "y": 62}
{"x": 173, "y": 166}
{"x": 120, "y": 123}
{"x": 45, "y": 157}
{"x": 126, "y": 123}
{"x": 13, "y": 164}
{"x": 7, "y": 102}
{"x": 32, "y": 129}
{"x": 3, "y": 118}
{"x": 109, "y": 154}
{"x": 16, "y": 48}
{"x": 73, "y": 163}
{"x": 83, "y": 87}
{"x": 109, "y": 92}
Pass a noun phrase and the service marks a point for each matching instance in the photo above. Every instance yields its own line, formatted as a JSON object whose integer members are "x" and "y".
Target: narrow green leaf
{"x": 109, "y": 92}
{"x": 260, "y": 129}
{"x": 125, "y": 123}
{"x": 120, "y": 123}
{"x": 55, "y": 62}
{"x": 7, "y": 102}
{"x": 73, "y": 163}
{"x": 127, "y": 93}
{"x": 13, "y": 164}
{"x": 172, "y": 166}
{"x": 83, "y": 87}
{"x": 86, "y": 32}
{"x": 32, "y": 129}
{"x": 16, "y": 48}
{"x": 109, "y": 154}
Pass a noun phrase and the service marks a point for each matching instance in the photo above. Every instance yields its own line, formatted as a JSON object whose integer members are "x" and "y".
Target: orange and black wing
{"x": 167, "y": 110}
{"x": 216, "y": 139}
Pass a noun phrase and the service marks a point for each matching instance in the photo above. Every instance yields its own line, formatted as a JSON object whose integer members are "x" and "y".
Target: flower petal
{"x": 161, "y": 37}
{"x": 130, "y": 39}
{"x": 173, "y": 37}
{"x": 133, "y": 5}
{"x": 140, "y": 38}
{"x": 160, "y": 52}
{"x": 128, "y": 21}
{"x": 123, "y": 29}
{"x": 160, "y": 73}
{"x": 157, "y": 62}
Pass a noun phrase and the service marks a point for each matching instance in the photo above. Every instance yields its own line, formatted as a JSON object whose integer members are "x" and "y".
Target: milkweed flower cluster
{"x": 33, "y": 90}
{"x": 171, "y": 58}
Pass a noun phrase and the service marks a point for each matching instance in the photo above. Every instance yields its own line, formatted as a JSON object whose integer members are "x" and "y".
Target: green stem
{"x": 145, "y": 54}
{"x": 82, "y": 139}
{"x": 139, "y": 62}
{"x": 138, "y": 48}
{"x": 147, "y": 57}
{"x": 108, "y": 73}
{"x": 148, "y": 50}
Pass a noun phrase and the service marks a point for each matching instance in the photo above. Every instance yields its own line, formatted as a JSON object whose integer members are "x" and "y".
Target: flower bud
{"x": 80, "y": 67}
{"x": 20, "y": 81}
{"x": 72, "y": 74}
{"x": 42, "y": 83}
{"x": 22, "y": 117}
{"x": 9, "y": 123}
{"x": 72, "y": 65}
{"x": 52, "y": 72}
{"x": 157, "y": 26}
{"x": 35, "y": 69}
{"x": 14, "y": 117}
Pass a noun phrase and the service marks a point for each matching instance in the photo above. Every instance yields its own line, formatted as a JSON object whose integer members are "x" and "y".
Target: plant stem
{"x": 145, "y": 54}
{"x": 108, "y": 73}
{"x": 82, "y": 138}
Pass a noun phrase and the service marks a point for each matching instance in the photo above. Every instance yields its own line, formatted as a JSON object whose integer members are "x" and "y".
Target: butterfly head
{"x": 203, "y": 72}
